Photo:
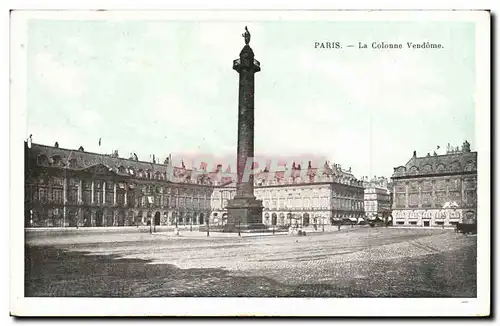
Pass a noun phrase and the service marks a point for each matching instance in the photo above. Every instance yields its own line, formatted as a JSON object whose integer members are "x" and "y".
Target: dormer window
{"x": 43, "y": 160}
{"x": 72, "y": 163}
{"x": 56, "y": 160}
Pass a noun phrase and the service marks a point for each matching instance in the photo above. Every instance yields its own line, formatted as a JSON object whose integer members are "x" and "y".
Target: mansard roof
{"x": 84, "y": 159}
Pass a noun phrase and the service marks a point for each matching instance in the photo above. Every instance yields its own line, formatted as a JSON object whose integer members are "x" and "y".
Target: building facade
{"x": 70, "y": 188}
{"x": 74, "y": 188}
{"x": 315, "y": 200}
{"x": 436, "y": 190}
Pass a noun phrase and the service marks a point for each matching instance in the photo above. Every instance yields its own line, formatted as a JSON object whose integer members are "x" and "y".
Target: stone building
{"x": 436, "y": 190}
{"x": 69, "y": 188}
{"x": 304, "y": 198}
{"x": 378, "y": 199}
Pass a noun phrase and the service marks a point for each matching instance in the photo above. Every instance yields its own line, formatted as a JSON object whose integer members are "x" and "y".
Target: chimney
{"x": 414, "y": 153}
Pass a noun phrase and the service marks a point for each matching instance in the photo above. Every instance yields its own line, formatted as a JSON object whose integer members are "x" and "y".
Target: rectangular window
{"x": 120, "y": 198}
{"x": 57, "y": 196}
{"x": 109, "y": 198}
{"x": 440, "y": 198}
{"x": 413, "y": 222}
{"x": 72, "y": 195}
{"x": 413, "y": 200}
{"x": 130, "y": 199}
{"x": 439, "y": 223}
{"x": 400, "y": 200}
{"x": 86, "y": 197}
{"x": 470, "y": 198}
{"x": 400, "y": 222}
{"x": 426, "y": 199}
{"x": 42, "y": 194}
{"x": 97, "y": 196}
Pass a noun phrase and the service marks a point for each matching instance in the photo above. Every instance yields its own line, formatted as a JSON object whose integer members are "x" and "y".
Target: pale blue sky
{"x": 155, "y": 87}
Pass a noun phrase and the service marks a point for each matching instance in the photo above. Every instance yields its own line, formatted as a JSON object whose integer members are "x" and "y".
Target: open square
{"x": 352, "y": 262}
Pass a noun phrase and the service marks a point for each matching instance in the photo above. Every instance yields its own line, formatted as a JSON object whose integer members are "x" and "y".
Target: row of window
{"x": 55, "y": 195}
{"x": 427, "y": 199}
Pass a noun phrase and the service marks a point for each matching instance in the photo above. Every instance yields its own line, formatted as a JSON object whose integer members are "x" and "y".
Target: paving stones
{"x": 359, "y": 262}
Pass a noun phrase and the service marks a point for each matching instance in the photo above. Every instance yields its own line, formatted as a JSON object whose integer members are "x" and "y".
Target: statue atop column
{"x": 466, "y": 146}
{"x": 246, "y": 35}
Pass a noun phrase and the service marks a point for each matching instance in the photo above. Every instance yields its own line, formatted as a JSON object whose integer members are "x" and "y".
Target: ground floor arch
{"x": 120, "y": 220}
{"x": 139, "y": 219}
{"x": 99, "y": 217}
{"x": 87, "y": 218}
{"x": 266, "y": 218}
{"x": 305, "y": 219}
{"x": 282, "y": 219}
{"x": 109, "y": 217}
{"x": 157, "y": 218}
{"x": 130, "y": 218}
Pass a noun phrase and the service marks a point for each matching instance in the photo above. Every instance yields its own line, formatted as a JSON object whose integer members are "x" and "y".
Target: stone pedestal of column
{"x": 244, "y": 215}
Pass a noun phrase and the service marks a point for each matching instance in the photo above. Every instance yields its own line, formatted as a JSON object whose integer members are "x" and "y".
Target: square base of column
{"x": 244, "y": 214}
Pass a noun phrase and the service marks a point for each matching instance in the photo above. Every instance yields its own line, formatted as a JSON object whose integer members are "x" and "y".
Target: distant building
{"x": 436, "y": 190}
{"x": 378, "y": 199}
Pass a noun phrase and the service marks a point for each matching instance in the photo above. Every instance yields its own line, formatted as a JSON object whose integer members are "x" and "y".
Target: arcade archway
{"x": 121, "y": 218}
{"x": 305, "y": 219}
{"x": 274, "y": 219}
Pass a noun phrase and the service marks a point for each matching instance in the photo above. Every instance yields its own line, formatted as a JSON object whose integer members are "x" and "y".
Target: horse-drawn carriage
{"x": 466, "y": 228}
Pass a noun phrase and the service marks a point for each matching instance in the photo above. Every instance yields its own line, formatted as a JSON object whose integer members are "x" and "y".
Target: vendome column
{"x": 245, "y": 211}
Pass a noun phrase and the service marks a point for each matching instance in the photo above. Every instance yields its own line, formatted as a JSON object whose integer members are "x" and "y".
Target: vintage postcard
{"x": 250, "y": 163}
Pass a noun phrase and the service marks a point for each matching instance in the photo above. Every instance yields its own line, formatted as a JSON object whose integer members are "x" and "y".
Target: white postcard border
{"x": 250, "y": 306}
